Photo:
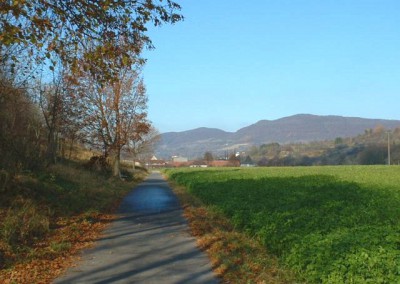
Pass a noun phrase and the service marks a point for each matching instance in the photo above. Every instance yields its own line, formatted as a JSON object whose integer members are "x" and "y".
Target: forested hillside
{"x": 302, "y": 128}
{"x": 371, "y": 147}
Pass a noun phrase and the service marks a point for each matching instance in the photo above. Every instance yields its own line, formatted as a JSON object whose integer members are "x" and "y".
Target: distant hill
{"x": 192, "y": 143}
{"x": 296, "y": 128}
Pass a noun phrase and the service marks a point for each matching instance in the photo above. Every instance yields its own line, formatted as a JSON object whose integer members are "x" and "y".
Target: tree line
{"x": 369, "y": 148}
{"x": 70, "y": 71}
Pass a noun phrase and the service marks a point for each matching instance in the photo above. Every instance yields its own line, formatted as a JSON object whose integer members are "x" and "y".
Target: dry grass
{"x": 63, "y": 210}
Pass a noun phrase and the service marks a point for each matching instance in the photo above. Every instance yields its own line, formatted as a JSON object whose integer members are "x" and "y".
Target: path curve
{"x": 148, "y": 243}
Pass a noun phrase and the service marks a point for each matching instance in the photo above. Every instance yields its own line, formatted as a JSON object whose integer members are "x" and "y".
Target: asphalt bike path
{"x": 149, "y": 242}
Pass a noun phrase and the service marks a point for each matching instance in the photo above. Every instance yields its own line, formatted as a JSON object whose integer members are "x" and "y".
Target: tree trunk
{"x": 52, "y": 147}
{"x": 134, "y": 166}
{"x": 61, "y": 145}
{"x": 116, "y": 163}
{"x": 71, "y": 147}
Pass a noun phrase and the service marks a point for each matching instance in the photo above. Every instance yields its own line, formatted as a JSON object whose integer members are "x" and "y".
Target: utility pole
{"x": 388, "y": 133}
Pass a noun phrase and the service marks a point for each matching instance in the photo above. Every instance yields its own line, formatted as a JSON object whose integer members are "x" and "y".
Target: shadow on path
{"x": 148, "y": 243}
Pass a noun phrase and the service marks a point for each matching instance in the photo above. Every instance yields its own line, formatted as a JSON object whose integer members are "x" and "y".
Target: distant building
{"x": 178, "y": 159}
{"x": 155, "y": 163}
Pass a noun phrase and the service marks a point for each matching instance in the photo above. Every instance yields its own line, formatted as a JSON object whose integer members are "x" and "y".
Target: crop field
{"x": 327, "y": 224}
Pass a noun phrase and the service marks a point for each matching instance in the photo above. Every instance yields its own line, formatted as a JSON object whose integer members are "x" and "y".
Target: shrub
{"x": 99, "y": 164}
{"x": 24, "y": 223}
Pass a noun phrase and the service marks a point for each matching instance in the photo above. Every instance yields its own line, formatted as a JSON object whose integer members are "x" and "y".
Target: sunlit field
{"x": 327, "y": 224}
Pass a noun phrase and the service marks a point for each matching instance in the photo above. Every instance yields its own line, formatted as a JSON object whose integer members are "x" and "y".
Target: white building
{"x": 179, "y": 159}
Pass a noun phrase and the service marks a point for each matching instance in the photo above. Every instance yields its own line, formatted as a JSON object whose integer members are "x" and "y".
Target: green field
{"x": 327, "y": 224}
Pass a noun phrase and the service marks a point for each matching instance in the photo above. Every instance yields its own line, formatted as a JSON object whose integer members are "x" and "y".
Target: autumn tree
{"x": 101, "y": 38}
{"x": 233, "y": 160}
{"x": 83, "y": 29}
{"x": 115, "y": 112}
{"x": 73, "y": 119}
{"x": 208, "y": 157}
{"x": 373, "y": 155}
{"x": 52, "y": 103}
{"x": 20, "y": 129}
{"x": 141, "y": 148}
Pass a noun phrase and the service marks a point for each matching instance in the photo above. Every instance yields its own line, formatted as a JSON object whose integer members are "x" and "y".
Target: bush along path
{"x": 148, "y": 242}
{"x": 47, "y": 218}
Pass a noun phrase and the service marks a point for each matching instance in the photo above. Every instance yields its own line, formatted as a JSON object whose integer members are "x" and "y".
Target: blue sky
{"x": 233, "y": 63}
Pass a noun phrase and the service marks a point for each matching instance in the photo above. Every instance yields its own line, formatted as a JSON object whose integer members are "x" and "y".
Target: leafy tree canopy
{"x": 109, "y": 34}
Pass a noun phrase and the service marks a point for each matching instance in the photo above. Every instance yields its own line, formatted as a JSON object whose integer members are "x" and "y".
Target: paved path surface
{"x": 148, "y": 243}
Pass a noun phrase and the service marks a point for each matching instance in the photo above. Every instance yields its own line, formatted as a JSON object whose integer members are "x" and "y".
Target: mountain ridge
{"x": 292, "y": 129}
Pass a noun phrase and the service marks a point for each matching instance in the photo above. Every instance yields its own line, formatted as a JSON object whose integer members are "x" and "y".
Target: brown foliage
{"x": 20, "y": 128}
{"x": 91, "y": 30}
{"x": 54, "y": 254}
{"x": 115, "y": 112}
{"x": 56, "y": 214}
{"x": 98, "y": 163}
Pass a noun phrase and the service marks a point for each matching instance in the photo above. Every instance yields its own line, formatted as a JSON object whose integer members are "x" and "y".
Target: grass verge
{"x": 235, "y": 257}
{"x": 47, "y": 218}
{"x": 327, "y": 224}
